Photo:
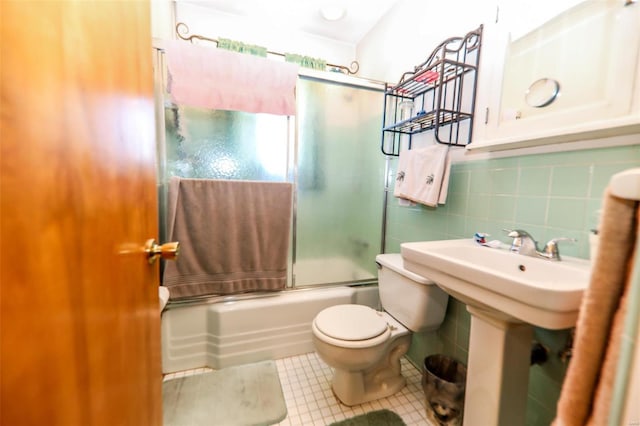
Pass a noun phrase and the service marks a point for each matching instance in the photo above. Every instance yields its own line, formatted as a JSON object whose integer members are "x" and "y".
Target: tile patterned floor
{"x": 306, "y": 384}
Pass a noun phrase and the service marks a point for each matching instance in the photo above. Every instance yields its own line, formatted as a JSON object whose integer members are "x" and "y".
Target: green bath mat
{"x": 374, "y": 418}
{"x": 244, "y": 395}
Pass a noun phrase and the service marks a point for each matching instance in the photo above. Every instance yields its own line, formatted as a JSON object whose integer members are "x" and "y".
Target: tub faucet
{"x": 525, "y": 244}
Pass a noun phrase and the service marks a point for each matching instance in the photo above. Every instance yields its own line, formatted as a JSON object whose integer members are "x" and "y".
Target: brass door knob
{"x": 168, "y": 251}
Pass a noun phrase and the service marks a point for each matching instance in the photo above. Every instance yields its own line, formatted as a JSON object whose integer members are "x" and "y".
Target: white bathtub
{"x": 224, "y": 334}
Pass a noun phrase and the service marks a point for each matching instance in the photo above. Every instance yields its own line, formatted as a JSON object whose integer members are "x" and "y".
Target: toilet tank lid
{"x": 394, "y": 262}
{"x": 351, "y": 322}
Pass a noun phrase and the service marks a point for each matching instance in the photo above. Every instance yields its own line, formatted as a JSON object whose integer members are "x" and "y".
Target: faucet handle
{"x": 551, "y": 250}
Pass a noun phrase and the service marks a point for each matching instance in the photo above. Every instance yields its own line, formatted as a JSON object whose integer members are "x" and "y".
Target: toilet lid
{"x": 351, "y": 322}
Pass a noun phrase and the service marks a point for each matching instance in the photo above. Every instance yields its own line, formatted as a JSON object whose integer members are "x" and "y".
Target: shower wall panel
{"x": 340, "y": 179}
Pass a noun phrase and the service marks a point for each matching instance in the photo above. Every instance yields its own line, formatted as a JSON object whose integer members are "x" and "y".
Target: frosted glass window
{"x": 217, "y": 144}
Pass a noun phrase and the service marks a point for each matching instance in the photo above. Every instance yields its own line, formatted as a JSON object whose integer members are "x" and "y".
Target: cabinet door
{"x": 573, "y": 77}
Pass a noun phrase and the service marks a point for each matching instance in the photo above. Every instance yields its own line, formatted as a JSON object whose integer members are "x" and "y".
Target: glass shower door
{"x": 334, "y": 161}
{"x": 340, "y": 175}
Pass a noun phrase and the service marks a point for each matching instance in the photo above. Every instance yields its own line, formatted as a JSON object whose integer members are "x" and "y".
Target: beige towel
{"x": 586, "y": 391}
{"x": 234, "y": 236}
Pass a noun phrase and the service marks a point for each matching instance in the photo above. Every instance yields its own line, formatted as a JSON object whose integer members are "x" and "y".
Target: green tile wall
{"x": 549, "y": 195}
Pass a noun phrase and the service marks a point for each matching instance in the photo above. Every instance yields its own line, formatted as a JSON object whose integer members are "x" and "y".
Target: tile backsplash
{"x": 549, "y": 195}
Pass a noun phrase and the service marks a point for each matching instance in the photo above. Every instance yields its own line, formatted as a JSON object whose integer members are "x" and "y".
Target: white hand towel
{"x": 444, "y": 189}
{"x": 401, "y": 171}
{"x": 424, "y": 175}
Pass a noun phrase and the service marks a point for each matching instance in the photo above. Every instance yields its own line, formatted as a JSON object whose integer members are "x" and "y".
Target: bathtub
{"x": 224, "y": 334}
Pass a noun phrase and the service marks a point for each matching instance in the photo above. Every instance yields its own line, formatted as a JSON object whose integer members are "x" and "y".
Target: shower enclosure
{"x": 329, "y": 150}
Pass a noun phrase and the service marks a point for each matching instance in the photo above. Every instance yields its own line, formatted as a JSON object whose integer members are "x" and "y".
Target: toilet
{"x": 364, "y": 346}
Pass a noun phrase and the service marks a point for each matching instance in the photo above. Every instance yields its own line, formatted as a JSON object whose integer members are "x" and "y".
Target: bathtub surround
{"x": 206, "y": 77}
{"x": 234, "y": 236}
{"x": 249, "y": 394}
{"x": 550, "y": 195}
{"x": 587, "y": 389}
{"x": 326, "y": 151}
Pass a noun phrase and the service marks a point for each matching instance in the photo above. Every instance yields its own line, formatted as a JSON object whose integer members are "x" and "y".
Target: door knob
{"x": 168, "y": 251}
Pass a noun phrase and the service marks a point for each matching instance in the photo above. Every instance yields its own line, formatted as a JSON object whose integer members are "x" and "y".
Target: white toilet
{"x": 364, "y": 346}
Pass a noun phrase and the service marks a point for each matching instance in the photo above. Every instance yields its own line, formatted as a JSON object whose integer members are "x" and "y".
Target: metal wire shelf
{"x": 441, "y": 94}
{"x": 428, "y": 121}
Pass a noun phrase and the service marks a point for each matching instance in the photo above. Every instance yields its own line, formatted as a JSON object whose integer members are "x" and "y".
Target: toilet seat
{"x": 351, "y": 322}
{"x": 351, "y": 326}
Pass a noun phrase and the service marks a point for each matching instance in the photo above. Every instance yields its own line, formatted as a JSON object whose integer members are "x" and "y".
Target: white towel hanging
{"x": 424, "y": 171}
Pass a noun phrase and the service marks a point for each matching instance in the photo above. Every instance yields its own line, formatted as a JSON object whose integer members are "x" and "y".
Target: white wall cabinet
{"x": 590, "y": 48}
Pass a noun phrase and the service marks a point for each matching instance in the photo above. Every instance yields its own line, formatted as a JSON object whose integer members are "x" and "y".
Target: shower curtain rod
{"x": 182, "y": 30}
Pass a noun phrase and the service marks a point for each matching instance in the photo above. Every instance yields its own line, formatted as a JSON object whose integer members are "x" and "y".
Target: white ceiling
{"x": 304, "y": 15}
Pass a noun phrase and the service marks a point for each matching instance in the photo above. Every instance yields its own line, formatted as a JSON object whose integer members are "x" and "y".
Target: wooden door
{"x": 80, "y": 334}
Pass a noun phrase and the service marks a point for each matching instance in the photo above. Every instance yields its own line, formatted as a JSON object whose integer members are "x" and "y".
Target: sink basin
{"x": 506, "y": 294}
{"x": 519, "y": 288}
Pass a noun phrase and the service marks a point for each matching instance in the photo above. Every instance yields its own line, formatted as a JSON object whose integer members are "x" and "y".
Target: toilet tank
{"x": 413, "y": 300}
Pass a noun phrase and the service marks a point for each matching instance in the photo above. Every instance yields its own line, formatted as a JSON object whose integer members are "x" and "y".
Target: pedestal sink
{"x": 506, "y": 294}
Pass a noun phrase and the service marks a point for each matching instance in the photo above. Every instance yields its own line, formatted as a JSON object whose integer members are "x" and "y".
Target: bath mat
{"x": 374, "y": 418}
{"x": 243, "y": 395}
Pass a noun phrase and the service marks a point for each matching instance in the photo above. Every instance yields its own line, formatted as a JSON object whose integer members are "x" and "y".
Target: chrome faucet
{"x": 525, "y": 244}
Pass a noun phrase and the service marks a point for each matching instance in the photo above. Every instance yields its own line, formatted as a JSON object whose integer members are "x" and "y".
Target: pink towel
{"x": 213, "y": 78}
